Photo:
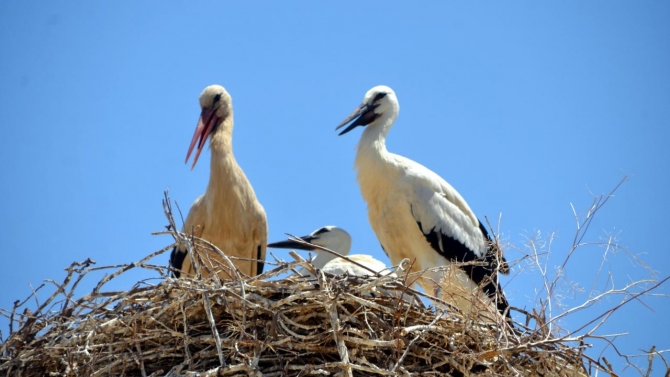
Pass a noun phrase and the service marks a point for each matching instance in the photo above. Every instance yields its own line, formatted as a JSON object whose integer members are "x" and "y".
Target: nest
{"x": 268, "y": 326}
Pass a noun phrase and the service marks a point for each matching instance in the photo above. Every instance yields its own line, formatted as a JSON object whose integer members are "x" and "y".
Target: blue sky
{"x": 524, "y": 108}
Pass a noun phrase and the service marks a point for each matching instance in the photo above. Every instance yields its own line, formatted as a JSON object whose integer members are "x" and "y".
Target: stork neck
{"x": 373, "y": 140}
{"x": 374, "y": 163}
{"x": 223, "y": 161}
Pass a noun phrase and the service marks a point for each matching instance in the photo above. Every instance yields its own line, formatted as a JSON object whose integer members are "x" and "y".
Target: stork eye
{"x": 379, "y": 96}
{"x": 217, "y": 98}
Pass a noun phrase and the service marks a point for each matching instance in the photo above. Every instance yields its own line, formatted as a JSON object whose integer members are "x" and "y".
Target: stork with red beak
{"x": 228, "y": 215}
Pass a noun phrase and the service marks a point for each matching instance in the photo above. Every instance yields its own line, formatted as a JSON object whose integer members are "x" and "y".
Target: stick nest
{"x": 267, "y": 326}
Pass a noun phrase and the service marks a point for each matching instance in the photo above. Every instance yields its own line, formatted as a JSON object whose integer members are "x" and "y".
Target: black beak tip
{"x": 291, "y": 244}
{"x": 355, "y": 119}
{"x": 342, "y": 132}
{"x": 351, "y": 127}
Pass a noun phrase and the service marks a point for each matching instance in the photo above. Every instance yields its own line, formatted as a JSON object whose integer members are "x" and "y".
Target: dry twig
{"x": 296, "y": 326}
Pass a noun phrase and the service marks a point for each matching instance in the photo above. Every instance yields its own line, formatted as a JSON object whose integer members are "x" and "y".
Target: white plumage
{"x": 418, "y": 215}
{"x": 228, "y": 214}
{"x": 338, "y": 240}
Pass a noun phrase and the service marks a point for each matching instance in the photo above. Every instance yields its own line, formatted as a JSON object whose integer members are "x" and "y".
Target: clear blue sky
{"x": 524, "y": 108}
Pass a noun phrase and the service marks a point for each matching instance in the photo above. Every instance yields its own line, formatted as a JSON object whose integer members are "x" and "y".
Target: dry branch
{"x": 270, "y": 326}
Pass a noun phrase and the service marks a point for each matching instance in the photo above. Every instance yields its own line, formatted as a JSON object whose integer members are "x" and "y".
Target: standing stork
{"x": 335, "y": 239}
{"x": 418, "y": 215}
{"x": 228, "y": 215}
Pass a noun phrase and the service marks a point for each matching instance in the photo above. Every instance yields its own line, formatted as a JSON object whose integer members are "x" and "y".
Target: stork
{"x": 338, "y": 240}
{"x": 418, "y": 215}
{"x": 228, "y": 215}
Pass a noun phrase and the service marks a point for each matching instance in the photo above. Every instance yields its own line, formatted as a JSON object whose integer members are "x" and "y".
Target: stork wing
{"x": 191, "y": 225}
{"x": 177, "y": 257}
{"x": 451, "y": 228}
{"x": 339, "y": 266}
{"x": 441, "y": 210}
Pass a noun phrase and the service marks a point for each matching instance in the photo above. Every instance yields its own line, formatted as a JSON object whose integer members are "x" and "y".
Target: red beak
{"x": 206, "y": 123}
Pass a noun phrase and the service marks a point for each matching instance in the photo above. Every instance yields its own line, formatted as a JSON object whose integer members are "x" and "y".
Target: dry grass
{"x": 273, "y": 326}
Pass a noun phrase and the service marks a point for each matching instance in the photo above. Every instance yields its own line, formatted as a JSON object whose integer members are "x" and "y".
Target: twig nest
{"x": 295, "y": 326}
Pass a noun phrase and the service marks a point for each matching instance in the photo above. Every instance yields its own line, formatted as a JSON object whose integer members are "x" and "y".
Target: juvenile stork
{"x": 338, "y": 240}
{"x": 418, "y": 215}
{"x": 228, "y": 215}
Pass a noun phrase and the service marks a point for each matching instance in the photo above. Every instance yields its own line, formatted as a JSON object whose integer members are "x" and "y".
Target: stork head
{"x": 378, "y": 102}
{"x": 330, "y": 237}
{"x": 216, "y": 106}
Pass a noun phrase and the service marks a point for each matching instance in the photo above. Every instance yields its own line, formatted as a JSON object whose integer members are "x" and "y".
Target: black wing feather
{"x": 260, "y": 263}
{"x": 176, "y": 261}
{"x": 484, "y": 275}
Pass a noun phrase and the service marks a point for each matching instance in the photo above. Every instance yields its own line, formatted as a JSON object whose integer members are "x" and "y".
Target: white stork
{"x": 418, "y": 215}
{"x": 338, "y": 240}
{"x": 228, "y": 214}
